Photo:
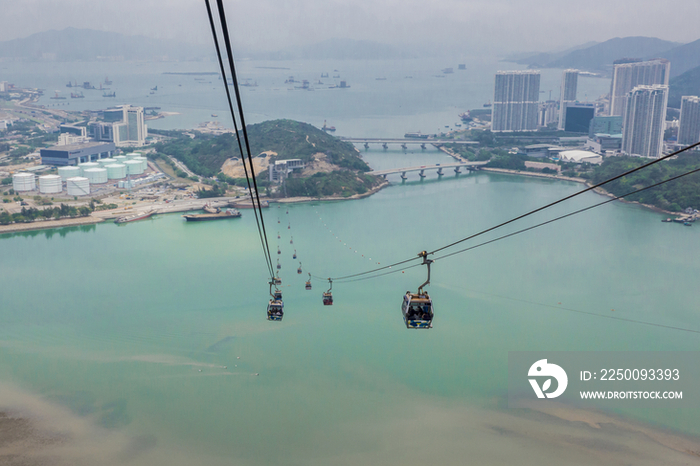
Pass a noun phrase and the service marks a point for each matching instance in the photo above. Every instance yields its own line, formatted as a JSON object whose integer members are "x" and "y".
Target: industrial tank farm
{"x": 50, "y": 184}
{"x": 23, "y": 182}
{"x": 77, "y": 186}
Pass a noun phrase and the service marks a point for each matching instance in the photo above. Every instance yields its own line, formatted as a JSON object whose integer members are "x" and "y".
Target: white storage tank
{"x": 77, "y": 186}
{"x": 116, "y": 171}
{"x": 134, "y": 167}
{"x": 87, "y": 165}
{"x": 50, "y": 184}
{"x": 23, "y": 182}
{"x": 96, "y": 175}
{"x": 105, "y": 162}
{"x": 120, "y": 158}
{"x": 69, "y": 172}
{"x": 132, "y": 155}
{"x": 144, "y": 162}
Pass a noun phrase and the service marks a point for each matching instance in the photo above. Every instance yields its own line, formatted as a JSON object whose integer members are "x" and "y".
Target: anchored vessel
{"x": 134, "y": 217}
{"x": 217, "y": 215}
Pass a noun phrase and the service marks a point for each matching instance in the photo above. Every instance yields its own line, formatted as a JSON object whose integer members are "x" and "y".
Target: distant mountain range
{"x": 600, "y": 57}
{"x": 339, "y": 49}
{"x": 73, "y": 44}
{"x": 687, "y": 83}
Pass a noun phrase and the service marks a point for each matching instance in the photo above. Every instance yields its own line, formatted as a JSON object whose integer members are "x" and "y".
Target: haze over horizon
{"x": 498, "y": 26}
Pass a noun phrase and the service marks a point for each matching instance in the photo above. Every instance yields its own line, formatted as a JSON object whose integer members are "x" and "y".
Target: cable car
{"x": 278, "y": 250}
{"x": 278, "y": 235}
{"x": 308, "y": 283}
{"x": 276, "y": 281}
{"x": 417, "y": 308}
{"x": 275, "y": 307}
{"x": 278, "y": 264}
{"x": 299, "y": 269}
{"x": 289, "y": 227}
{"x": 328, "y": 295}
{"x": 291, "y": 241}
{"x": 278, "y": 221}
{"x": 287, "y": 212}
{"x": 294, "y": 256}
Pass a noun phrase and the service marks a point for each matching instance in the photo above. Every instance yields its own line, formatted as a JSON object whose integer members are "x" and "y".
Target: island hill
{"x": 331, "y": 167}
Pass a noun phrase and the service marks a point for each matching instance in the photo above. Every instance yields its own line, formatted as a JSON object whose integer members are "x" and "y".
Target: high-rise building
{"x": 123, "y": 125}
{"x": 548, "y": 113}
{"x": 643, "y": 121}
{"x": 628, "y": 75}
{"x": 516, "y": 101}
{"x": 569, "y": 83}
{"x": 689, "y": 127}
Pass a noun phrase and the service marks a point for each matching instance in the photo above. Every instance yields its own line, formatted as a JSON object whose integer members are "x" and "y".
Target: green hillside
{"x": 686, "y": 84}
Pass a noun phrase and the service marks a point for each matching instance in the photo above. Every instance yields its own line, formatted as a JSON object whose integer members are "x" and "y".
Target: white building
{"x": 569, "y": 84}
{"x": 627, "y": 76}
{"x": 281, "y": 169}
{"x": 124, "y": 126}
{"x": 4, "y": 86}
{"x": 643, "y": 121}
{"x": 580, "y": 156}
{"x": 689, "y": 126}
{"x": 548, "y": 113}
{"x": 516, "y": 101}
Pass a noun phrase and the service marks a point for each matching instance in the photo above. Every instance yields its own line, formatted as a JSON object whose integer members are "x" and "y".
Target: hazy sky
{"x": 514, "y": 25}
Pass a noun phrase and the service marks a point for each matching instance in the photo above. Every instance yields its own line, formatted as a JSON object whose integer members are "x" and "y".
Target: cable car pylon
{"x": 417, "y": 308}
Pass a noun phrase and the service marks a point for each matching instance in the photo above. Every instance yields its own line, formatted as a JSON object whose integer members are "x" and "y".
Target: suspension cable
{"x": 256, "y": 209}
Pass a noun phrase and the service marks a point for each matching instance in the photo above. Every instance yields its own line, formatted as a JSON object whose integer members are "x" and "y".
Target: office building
{"x": 605, "y": 125}
{"x": 123, "y": 125}
{"x": 577, "y": 116}
{"x": 569, "y": 83}
{"x": 689, "y": 127}
{"x": 643, "y": 121}
{"x": 628, "y": 75}
{"x": 73, "y": 154}
{"x": 281, "y": 169}
{"x": 516, "y": 101}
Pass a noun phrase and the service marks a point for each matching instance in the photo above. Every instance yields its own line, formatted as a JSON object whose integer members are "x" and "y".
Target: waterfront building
{"x": 569, "y": 84}
{"x": 689, "y": 126}
{"x": 629, "y": 74}
{"x": 281, "y": 169}
{"x": 604, "y": 143}
{"x": 4, "y": 86}
{"x": 643, "y": 121}
{"x": 577, "y": 116}
{"x": 605, "y": 125}
{"x": 123, "y": 125}
{"x": 73, "y": 154}
{"x": 548, "y": 113}
{"x": 516, "y": 101}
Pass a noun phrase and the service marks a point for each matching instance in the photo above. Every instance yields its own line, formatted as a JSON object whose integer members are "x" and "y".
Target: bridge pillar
{"x": 403, "y": 176}
{"x": 439, "y": 172}
{"x": 385, "y": 146}
{"x": 422, "y": 146}
{"x": 422, "y": 173}
{"x": 384, "y": 176}
{"x": 366, "y": 146}
{"x": 458, "y": 170}
{"x": 403, "y": 146}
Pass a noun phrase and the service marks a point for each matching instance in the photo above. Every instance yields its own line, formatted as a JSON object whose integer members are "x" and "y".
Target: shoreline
{"x": 600, "y": 191}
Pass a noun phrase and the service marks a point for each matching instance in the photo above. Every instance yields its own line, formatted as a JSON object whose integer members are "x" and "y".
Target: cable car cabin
{"x": 417, "y": 309}
{"x": 275, "y": 310}
{"x": 277, "y": 296}
{"x": 327, "y": 298}
{"x": 277, "y": 281}
{"x": 278, "y": 251}
{"x": 294, "y": 256}
{"x": 308, "y": 285}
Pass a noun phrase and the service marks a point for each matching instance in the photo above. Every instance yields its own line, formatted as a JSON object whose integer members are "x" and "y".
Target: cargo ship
{"x": 219, "y": 214}
{"x": 135, "y": 217}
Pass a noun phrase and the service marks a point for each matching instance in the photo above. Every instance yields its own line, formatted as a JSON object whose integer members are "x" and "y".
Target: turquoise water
{"x": 116, "y": 322}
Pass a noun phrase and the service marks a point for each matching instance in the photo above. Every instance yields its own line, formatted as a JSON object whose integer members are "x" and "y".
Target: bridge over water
{"x": 405, "y": 141}
{"x": 457, "y": 167}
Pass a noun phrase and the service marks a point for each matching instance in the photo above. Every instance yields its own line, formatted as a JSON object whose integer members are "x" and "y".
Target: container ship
{"x": 135, "y": 217}
{"x": 217, "y": 215}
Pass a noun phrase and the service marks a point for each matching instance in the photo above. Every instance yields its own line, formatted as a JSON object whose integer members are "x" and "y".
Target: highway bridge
{"x": 405, "y": 141}
{"x": 457, "y": 167}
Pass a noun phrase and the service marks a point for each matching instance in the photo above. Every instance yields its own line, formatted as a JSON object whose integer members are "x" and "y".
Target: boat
{"x": 78, "y": 95}
{"x": 109, "y": 94}
{"x": 57, "y": 97}
{"x": 327, "y": 128}
{"x": 135, "y": 217}
{"x": 667, "y": 220}
{"x": 249, "y": 205}
{"x": 228, "y": 213}
{"x": 688, "y": 224}
{"x": 214, "y": 115}
{"x": 380, "y": 79}
{"x": 448, "y": 70}
{"x": 417, "y": 135}
{"x": 465, "y": 116}
{"x": 107, "y": 81}
{"x": 487, "y": 104}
